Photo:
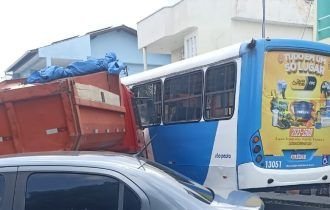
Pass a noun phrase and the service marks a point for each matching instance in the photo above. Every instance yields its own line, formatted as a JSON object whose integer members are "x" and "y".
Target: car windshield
{"x": 194, "y": 189}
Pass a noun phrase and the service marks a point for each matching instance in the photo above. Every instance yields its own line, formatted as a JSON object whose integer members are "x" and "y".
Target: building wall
{"x": 222, "y": 23}
{"x": 119, "y": 42}
{"x": 125, "y": 46}
{"x": 236, "y": 21}
{"x": 177, "y": 54}
{"x": 136, "y": 68}
{"x": 77, "y": 48}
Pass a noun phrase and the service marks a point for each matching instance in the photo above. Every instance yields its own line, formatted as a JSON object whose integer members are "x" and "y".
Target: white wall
{"x": 220, "y": 23}
{"x": 282, "y": 11}
{"x": 177, "y": 54}
{"x": 230, "y": 21}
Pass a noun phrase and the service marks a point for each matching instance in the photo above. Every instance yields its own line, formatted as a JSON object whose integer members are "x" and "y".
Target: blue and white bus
{"x": 249, "y": 116}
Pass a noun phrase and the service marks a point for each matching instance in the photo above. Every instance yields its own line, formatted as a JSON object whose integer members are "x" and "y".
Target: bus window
{"x": 220, "y": 83}
{"x": 183, "y": 98}
{"x": 151, "y": 90}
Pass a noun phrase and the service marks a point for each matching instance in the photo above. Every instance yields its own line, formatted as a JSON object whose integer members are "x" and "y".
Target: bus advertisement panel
{"x": 296, "y": 105}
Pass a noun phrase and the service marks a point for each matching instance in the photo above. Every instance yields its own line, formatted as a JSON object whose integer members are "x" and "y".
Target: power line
{"x": 310, "y": 2}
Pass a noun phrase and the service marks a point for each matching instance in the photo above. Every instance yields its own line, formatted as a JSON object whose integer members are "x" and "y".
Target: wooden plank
{"x": 92, "y": 93}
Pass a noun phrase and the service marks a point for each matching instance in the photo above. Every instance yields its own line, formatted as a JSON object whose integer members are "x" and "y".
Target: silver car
{"x": 104, "y": 181}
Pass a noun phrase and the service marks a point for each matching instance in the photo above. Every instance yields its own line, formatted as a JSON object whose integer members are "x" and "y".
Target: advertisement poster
{"x": 296, "y": 103}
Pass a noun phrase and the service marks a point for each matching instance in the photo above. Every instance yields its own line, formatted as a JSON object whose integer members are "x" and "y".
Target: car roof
{"x": 72, "y": 158}
{"x": 128, "y": 165}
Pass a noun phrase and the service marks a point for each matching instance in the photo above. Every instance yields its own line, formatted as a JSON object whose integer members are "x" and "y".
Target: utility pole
{"x": 263, "y": 18}
{"x": 145, "y": 63}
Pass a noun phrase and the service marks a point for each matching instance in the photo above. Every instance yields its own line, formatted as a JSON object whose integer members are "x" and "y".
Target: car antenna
{"x": 138, "y": 154}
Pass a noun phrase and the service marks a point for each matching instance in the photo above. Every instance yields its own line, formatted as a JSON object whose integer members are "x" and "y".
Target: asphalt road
{"x": 287, "y": 207}
{"x": 281, "y": 201}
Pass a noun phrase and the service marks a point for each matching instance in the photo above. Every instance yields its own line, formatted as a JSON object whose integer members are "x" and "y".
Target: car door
{"x": 7, "y": 186}
{"x": 76, "y": 188}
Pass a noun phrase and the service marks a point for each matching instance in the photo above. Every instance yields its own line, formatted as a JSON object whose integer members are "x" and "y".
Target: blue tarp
{"x": 50, "y": 73}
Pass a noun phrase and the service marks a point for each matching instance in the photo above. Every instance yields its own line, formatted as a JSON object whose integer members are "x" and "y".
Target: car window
{"x": 2, "y": 190}
{"x": 194, "y": 189}
{"x": 70, "y": 191}
{"x": 131, "y": 200}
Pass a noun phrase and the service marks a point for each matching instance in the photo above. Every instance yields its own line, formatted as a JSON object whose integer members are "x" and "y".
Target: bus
{"x": 252, "y": 116}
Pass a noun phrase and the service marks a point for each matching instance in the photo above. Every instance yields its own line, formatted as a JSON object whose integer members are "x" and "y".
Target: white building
{"x": 192, "y": 27}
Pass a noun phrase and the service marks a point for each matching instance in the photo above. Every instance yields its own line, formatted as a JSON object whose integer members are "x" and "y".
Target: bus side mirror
{"x": 145, "y": 111}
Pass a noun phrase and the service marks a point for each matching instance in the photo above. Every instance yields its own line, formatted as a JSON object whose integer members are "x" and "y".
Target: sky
{"x": 30, "y": 24}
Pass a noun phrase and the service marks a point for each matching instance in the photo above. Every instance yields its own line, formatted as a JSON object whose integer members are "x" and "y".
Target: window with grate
{"x": 183, "y": 98}
{"x": 220, "y": 85}
{"x": 153, "y": 91}
{"x": 190, "y": 45}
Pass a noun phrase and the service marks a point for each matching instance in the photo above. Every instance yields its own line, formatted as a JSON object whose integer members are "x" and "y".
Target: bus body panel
{"x": 200, "y": 150}
{"x": 249, "y": 119}
{"x": 222, "y": 172}
{"x": 251, "y": 176}
{"x": 185, "y": 147}
{"x": 274, "y": 169}
{"x": 229, "y": 153}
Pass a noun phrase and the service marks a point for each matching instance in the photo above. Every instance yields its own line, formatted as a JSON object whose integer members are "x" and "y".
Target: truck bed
{"x": 78, "y": 113}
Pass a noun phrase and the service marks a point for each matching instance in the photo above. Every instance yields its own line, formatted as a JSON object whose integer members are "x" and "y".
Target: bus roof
{"x": 197, "y": 61}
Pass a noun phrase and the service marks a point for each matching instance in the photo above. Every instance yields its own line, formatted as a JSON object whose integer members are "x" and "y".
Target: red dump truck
{"x": 91, "y": 112}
